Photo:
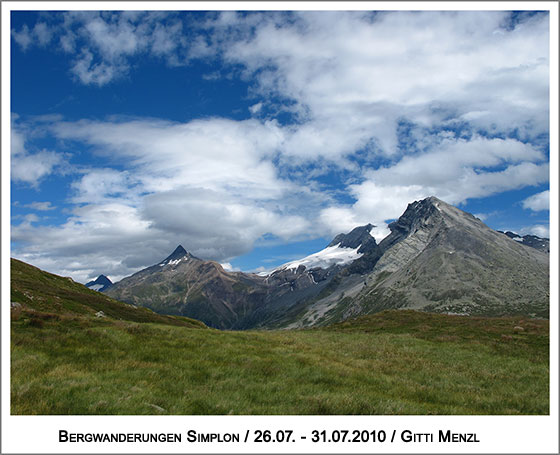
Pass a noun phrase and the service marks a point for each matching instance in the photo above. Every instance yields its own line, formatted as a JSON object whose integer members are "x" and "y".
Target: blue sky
{"x": 253, "y": 138}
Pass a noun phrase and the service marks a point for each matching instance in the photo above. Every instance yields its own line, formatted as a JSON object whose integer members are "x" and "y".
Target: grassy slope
{"x": 44, "y": 295}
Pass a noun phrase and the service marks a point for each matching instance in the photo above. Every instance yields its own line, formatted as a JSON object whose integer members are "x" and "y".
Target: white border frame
{"x": 498, "y": 434}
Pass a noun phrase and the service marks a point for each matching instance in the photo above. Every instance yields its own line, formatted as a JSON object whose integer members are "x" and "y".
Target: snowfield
{"x": 332, "y": 255}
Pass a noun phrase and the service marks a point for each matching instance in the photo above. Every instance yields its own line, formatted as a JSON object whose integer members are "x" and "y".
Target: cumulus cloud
{"x": 102, "y": 185}
{"x": 23, "y": 37}
{"x": 41, "y": 35}
{"x": 537, "y": 202}
{"x": 430, "y": 67}
{"x": 30, "y": 167}
{"x": 540, "y": 230}
{"x": 80, "y": 247}
{"x": 102, "y": 44}
{"x": 215, "y": 154}
{"x": 208, "y": 184}
{"x": 454, "y": 170}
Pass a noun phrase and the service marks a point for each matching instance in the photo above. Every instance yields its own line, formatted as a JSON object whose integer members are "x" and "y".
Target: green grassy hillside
{"x": 65, "y": 360}
{"x": 46, "y": 296}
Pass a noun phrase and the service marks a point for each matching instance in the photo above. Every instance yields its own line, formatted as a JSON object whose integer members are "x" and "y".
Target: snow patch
{"x": 172, "y": 261}
{"x": 518, "y": 239}
{"x": 332, "y": 255}
{"x": 96, "y": 287}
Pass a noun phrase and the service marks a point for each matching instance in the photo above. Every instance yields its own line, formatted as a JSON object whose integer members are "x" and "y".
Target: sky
{"x": 253, "y": 138}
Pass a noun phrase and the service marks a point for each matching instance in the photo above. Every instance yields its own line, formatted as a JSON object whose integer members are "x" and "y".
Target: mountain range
{"x": 437, "y": 258}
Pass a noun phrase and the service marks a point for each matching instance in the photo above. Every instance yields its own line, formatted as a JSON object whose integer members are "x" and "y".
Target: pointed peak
{"x": 178, "y": 253}
{"x": 100, "y": 284}
{"x": 424, "y": 206}
{"x": 428, "y": 202}
{"x": 179, "y": 250}
{"x": 103, "y": 279}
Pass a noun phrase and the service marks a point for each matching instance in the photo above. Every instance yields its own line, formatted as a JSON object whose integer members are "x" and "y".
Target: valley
{"x": 444, "y": 316}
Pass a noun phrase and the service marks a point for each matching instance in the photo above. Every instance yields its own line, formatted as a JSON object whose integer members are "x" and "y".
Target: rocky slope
{"x": 183, "y": 284}
{"x": 439, "y": 258}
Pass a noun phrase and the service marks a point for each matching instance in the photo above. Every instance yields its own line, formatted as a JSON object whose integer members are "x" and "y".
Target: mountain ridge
{"x": 437, "y": 258}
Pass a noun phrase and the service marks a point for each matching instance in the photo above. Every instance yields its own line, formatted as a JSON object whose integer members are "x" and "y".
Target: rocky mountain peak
{"x": 102, "y": 279}
{"x": 417, "y": 213}
{"x": 357, "y": 237}
{"x": 100, "y": 284}
{"x": 178, "y": 253}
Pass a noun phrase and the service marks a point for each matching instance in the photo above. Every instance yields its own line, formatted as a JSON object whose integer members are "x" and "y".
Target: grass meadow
{"x": 396, "y": 362}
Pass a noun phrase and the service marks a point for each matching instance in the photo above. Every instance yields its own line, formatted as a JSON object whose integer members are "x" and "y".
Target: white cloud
{"x": 95, "y": 239}
{"x": 102, "y": 185}
{"x": 41, "y": 206}
{"x": 102, "y": 43}
{"x": 255, "y": 108}
{"x": 30, "y": 218}
{"x": 113, "y": 39}
{"x": 216, "y": 225}
{"x": 24, "y": 37}
{"x": 537, "y": 202}
{"x": 428, "y": 67}
{"x": 100, "y": 73}
{"x": 27, "y": 167}
{"x": 215, "y": 154}
{"x": 229, "y": 268}
{"x": 41, "y": 34}
{"x": 454, "y": 170}
{"x": 540, "y": 230}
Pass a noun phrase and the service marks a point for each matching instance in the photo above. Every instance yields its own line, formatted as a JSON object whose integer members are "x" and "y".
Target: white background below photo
{"x": 514, "y": 434}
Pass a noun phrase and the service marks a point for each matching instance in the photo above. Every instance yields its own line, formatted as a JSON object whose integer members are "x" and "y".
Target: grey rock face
{"x": 439, "y": 258}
